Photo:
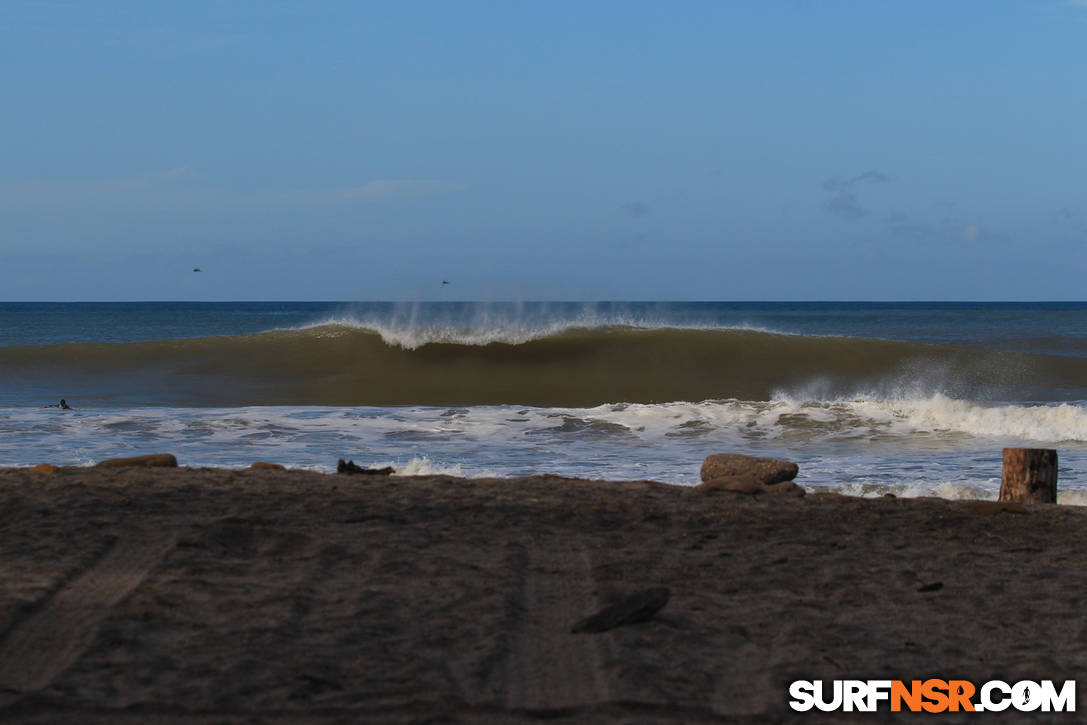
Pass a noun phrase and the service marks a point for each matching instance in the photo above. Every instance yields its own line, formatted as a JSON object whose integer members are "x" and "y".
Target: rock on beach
{"x": 766, "y": 470}
{"x": 157, "y": 460}
{"x": 735, "y": 473}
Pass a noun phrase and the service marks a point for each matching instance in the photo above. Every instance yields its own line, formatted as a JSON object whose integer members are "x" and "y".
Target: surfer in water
{"x": 63, "y": 405}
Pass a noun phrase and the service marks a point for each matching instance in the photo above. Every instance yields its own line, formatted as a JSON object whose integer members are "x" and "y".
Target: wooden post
{"x": 1030, "y": 475}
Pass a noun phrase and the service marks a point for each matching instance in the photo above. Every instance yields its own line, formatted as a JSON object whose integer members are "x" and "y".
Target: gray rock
{"x": 156, "y": 460}
{"x": 766, "y": 470}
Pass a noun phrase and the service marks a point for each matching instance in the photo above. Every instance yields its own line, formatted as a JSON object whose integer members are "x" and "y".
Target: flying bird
{"x": 445, "y": 281}
{"x": 196, "y": 269}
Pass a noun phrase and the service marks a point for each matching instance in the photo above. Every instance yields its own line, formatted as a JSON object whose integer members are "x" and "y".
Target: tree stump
{"x": 1030, "y": 475}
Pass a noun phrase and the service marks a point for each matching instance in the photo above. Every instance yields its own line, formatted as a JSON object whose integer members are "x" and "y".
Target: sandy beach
{"x": 227, "y": 596}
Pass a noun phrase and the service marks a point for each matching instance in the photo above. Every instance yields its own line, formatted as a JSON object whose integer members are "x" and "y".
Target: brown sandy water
{"x": 341, "y": 365}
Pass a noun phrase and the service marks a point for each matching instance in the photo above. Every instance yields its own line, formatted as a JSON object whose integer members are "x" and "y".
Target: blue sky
{"x": 761, "y": 150}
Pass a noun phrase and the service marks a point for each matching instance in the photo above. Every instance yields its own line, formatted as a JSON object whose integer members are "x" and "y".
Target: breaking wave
{"x": 566, "y": 365}
{"x": 922, "y": 421}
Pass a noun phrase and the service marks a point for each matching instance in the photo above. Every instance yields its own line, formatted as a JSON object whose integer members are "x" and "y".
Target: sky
{"x": 725, "y": 150}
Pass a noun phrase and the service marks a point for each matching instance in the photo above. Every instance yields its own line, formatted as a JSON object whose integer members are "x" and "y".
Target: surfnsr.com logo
{"x": 932, "y": 696}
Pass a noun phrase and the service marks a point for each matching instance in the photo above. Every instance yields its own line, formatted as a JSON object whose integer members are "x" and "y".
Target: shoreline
{"x": 224, "y": 595}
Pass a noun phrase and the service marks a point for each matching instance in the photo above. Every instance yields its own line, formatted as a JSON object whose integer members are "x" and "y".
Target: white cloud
{"x": 389, "y": 189}
{"x": 64, "y": 192}
{"x": 175, "y": 186}
{"x": 182, "y": 187}
{"x": 845, "y": 202}
{"x": 182, "y": 172}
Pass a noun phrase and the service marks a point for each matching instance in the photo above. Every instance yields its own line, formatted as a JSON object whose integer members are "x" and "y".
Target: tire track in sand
{"x": 547, "y": 669}
{"x": 51, "y": 639}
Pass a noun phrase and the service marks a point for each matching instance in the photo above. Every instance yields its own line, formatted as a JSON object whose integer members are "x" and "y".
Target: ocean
{"x": 869, "y": 398}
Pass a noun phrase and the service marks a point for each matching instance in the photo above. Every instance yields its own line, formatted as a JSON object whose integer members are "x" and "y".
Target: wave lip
{"x": 413, "y": 336}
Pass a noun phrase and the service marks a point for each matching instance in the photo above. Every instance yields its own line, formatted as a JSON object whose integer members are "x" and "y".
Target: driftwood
{"x": 1029, "y": 476}
{"x": 350, "y": 467}
{"x": 634, "y": 608}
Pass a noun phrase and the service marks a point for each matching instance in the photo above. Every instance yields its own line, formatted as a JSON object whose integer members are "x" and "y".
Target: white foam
{"x": 936, "y": 416}
{"x": 1072, "y": 497}
{"x": 424, "y": 466}
{"x": 1049, "y": 423}
{"x": 486, "y": 330}
{"x": 923, "y": 447}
